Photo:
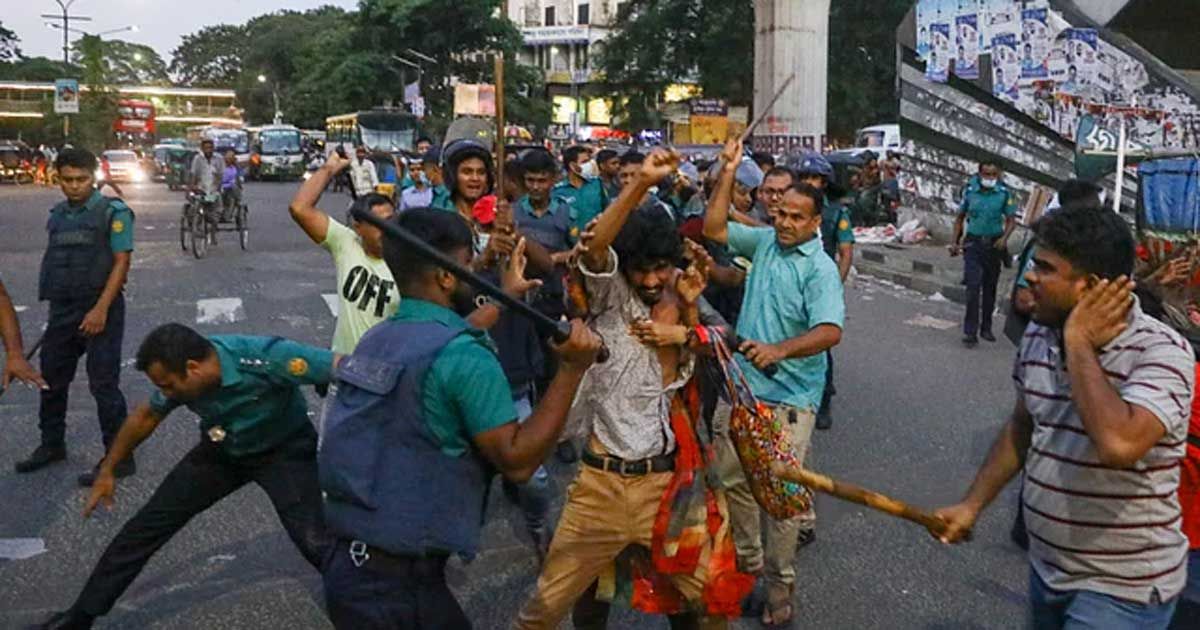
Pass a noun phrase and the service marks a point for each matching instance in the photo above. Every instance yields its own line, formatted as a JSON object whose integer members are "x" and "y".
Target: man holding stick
{"x": 1099, "y": 426}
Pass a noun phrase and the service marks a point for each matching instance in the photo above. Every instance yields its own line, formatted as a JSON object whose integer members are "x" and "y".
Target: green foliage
{"x": 36, "y": 69}
{"x": 92, "y": 127}
{"x": 862, "y": 64}
{"x": 210, "y": 57}
{"x": 9, "y": 44}
{"x": 126, "y": 63}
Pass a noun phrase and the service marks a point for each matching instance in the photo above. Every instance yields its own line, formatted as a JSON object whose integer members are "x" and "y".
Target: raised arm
{"x": 303, "y": 207}
{"x": 658, "y": 165}
{"x": 716, "y": 216}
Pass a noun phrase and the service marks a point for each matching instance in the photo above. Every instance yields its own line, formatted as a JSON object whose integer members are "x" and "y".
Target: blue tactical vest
{"x": 386, "y": 481}
{"x": 78, "y": 257}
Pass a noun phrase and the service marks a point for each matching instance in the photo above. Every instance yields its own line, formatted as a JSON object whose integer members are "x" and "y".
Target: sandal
{"x": 778, "y": 616}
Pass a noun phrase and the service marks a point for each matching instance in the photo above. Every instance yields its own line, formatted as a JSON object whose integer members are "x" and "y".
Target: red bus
{"x": 134, "y": 125}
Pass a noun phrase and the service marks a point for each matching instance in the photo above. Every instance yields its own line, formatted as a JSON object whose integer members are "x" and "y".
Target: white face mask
{"x": 589, "y": 170}
{"x": 988, "y": 182}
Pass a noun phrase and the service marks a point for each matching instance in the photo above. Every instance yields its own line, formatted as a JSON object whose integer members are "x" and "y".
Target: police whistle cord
{"x": 29, "y": 356}
{"x": 560, "y": 331}
{"x": 767, "y": 110}
{"x": 862, "y": 496}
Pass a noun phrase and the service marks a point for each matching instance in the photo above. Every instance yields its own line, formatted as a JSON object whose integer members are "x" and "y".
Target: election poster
{"x": 1035, "y": 44}
{"x": 66, "y": 96}
{"x": 966, "y": 59}
{"x": 926, "y": 12}
{"x": 1006, "y": 67}
{"x": 1002, "y": 18}
{"x": 937, "y": 64}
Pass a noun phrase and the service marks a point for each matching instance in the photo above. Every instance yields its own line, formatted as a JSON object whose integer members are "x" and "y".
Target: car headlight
{"x": 99, "y": 175}
{"x": 139, "y": 175}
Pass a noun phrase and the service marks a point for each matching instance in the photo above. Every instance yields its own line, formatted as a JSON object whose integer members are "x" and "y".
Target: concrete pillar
{"x": 791, "y": 36}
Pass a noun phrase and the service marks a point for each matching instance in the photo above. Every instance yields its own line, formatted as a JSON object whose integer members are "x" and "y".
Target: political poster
{"x": 1083, "y": 67}
{"x": 1035, "y": 44}
{"x": 66, "y": 96}
{"x": 937, "y": 63}
{"x": 1002, "y": 18}
{"x": 1006, "y": 67}
{"x": 966, "y": 59}
{"x": 474, "y": 100}
{"x": 926, "y": 12}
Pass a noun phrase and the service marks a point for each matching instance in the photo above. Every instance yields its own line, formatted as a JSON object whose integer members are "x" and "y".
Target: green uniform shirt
{"x": 986, "y": 208}
{"x": 259, "y": 403}
{"x": 587, "y": 201}
{"x": 441, "y": 199}
{"x": 835, "y": 226}
{"x": 120, "y": 232}
{"x": 465, "y": 392}
{"x": 788, "y": 293}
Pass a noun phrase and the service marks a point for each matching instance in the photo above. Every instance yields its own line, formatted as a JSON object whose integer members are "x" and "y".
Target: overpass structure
{"x": 31, "y": 99}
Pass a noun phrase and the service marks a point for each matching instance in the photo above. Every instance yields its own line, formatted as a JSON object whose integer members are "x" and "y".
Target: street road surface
{"x": 914, "y": 416}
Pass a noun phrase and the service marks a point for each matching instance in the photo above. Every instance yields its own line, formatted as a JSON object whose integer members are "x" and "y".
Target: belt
{"x": 405, "y": 564}
{"x": 1194, "y": 440}
{"x": 627, "y": 467}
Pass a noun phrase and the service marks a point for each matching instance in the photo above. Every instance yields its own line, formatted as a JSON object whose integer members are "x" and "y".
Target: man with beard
{"x": 581, "y": 188}
{"x": 424, "y": 416}
{"x": 1099, "y": 426}
{"x": 609, "y": 163}
{"x": 632, "y": 285}
{"x": 254, "y": 427}
{"x": 792, "y": 313}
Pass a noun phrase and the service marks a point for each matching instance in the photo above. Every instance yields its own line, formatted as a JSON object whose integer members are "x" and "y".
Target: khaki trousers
{"x": 770, "y": 550}
{"x": 604, "y": 513}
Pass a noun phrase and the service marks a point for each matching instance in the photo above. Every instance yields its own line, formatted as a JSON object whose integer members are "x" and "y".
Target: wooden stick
{"x": 500, "y": 131}
{"x": 860, "y": 495}
{"x": 767, "y": 110}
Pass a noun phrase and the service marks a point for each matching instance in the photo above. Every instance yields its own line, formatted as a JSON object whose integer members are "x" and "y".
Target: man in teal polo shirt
{"x": 254, "y": 427}
{"x": 792, "y": 313}
{"x": 582, "y": 189}
{"x": 989, "y": 211}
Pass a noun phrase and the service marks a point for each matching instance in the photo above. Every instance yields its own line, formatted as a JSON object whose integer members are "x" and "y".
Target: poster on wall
{"x": 937, "y": 63}
{"x": 926, "y": 12}
{"x": 1083, "y": 67}
{"x": 1002, "y": 17}
{"x": 1035, "y": 44}
{"x": 966, "y": 59}
{"x": 1006, "y": 67}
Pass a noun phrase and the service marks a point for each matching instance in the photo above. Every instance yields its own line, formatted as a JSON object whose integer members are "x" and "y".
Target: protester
{"x": 793, "y": 312}
{"x": 16, "y": 366}
{"x": 582, "y": 188}
{"x": 363, "y": 175}
{"x": 254, "y": 428}
{"x": 609, "y": 163}
{"x": 989, "y": 211}
{"x": 429, "y": 442}
{"x": 1103, "y": 397}
{"x": 623, "y": 407}
{"x": 837, "y": 238}
{"x": 82, "y": 276}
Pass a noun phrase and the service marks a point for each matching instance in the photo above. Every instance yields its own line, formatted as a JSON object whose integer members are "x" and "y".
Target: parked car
{"x": 16, "y": 162}
{"x": 123, "y": 166}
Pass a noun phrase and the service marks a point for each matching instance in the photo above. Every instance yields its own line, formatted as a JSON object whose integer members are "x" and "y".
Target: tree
{"x": 36, "y": 69}
{"x": 9, "y": 45}
{"x": 127, "y": 63}
{"x": 862, "y": 64}
{"x": 210, "y": 57}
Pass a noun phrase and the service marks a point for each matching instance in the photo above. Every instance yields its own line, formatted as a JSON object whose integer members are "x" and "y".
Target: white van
{"x": 879, "y": 139}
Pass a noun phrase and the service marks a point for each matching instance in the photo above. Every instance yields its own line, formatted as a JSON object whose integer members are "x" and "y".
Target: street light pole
{"x": 66, "y": 17}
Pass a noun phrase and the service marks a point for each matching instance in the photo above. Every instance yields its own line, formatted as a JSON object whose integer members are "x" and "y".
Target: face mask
{"x": 988, "y": 183}
{"x": 589, "y": 170}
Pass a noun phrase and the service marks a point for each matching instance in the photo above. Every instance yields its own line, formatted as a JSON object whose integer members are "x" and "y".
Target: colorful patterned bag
{"x": 760, "y": 438}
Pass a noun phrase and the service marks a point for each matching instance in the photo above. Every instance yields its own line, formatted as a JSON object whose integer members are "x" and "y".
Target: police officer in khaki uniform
{"x": 254, "y": 427}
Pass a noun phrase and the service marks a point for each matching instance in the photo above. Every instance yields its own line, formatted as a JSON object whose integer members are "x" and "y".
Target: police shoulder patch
{"x": 297, "y": 367}
{"x": 843, "y": 225}
{"x": 118, "y": 226}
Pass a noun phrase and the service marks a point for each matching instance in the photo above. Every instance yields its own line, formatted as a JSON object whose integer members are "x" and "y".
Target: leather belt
{"x": 387, "y": 562}
{"x": 627, "y": 467}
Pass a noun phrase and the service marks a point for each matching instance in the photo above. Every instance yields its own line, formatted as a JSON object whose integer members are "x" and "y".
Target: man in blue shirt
{"x": 989, "y": 211}
{"x": 792, "y": 313}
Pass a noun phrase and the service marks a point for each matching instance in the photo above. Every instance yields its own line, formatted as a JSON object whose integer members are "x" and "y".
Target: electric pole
{"x": 66, "y": 17}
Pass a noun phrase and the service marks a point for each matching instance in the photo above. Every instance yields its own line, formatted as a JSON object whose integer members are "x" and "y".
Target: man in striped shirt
{"x": 1100, "y": 424}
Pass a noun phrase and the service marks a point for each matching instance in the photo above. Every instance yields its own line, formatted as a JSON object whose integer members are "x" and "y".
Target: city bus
{"x": 281, "y": 148}
{"x": 387, "y": 129}
{"x": 224, "y": 137}
{"x": 134, "y": 125}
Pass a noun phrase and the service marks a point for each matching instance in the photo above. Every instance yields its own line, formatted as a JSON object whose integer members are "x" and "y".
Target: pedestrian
{"x": 106, "y": 171}
{"x": 989, "y": 211}
{"x": 1100, "y": 423}
{"x": 363, "y": 175}
{"x": 83, "y": 274}
{"x": 608, "y": 162}
{"x": 634, "y": 290}
{"x": 16, "y": 366}
{"x": 366, "y": 292}
{"x": 793, "y": 311}
{"x": 254, "y": 427}
{"x": 581, "y": 188}
{"x": 420, "y": 194}
{"x": 837, "y": 238}
{"x": 407, "y": 460}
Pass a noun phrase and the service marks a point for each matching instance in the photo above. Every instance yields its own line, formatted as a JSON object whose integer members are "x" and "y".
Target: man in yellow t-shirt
{"x": 367, "y": 294}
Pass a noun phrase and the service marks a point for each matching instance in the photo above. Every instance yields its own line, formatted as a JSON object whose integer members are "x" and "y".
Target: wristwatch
{"x": 483, "y": 300}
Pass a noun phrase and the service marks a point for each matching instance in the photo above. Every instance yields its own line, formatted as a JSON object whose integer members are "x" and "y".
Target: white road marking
{"x": 20, "y": 308}
{"x": 21, "y": 548}
{"x": 331, "y": 300}
{"x": 220, "y": 311}
{"x": 929, "y": 321}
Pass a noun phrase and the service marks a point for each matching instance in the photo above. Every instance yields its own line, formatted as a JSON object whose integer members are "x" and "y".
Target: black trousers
{"x": 982, "y": 262}
{"x": 62, "y": 346}
{"x": 288, "y": 474}
{"x": 403, "y": 595}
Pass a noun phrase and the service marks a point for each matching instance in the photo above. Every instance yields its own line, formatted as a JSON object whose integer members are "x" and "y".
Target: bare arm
{"x": 1010, "y": 224}
{"x": 957, "y": 243}
{"x": 97, "y": 318}
{"x": 15, "y": 365}
{"x": 815, "y": 341}
{"x": 303, "y": 207}
{"x": 716, "y": 216}
{"x": 517, "y": 449}
{"x": 658, "y": 165}
{"x": 139, "y": 426}
{"x": 845, "y": 258}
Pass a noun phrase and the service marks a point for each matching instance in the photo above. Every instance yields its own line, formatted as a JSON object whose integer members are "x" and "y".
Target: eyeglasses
{"x": 774, "y": 192}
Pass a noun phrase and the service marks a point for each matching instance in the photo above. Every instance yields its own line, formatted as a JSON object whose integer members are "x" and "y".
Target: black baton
{"x": 770, "y": 371}
{"x": 559, "y": 331}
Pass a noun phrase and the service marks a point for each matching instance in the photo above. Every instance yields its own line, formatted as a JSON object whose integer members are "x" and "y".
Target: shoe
{"x": 41, "y": 457}
{"x": 825, "y": 418}
{"x": 987, "y": 336}
{"x": 124, "y": 469}
{"x": 805, "y": 538}
{"x": 565, "y": 452}
{"x": 970, "y": 341}
{"x": 66, "y": 620}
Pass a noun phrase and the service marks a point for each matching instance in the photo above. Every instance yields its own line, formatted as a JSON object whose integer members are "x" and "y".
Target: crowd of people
{"x": 648, "y": 257}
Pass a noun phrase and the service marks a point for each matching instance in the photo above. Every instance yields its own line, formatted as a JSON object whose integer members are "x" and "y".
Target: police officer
{"x": 82, "y": 275}
{"x": 582, "y": 188}
{"x": 254, "y": 427}
{"x": 837, "y": 237}
{"x": 408, "y": 449}
{"x": 989, "y": 211}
